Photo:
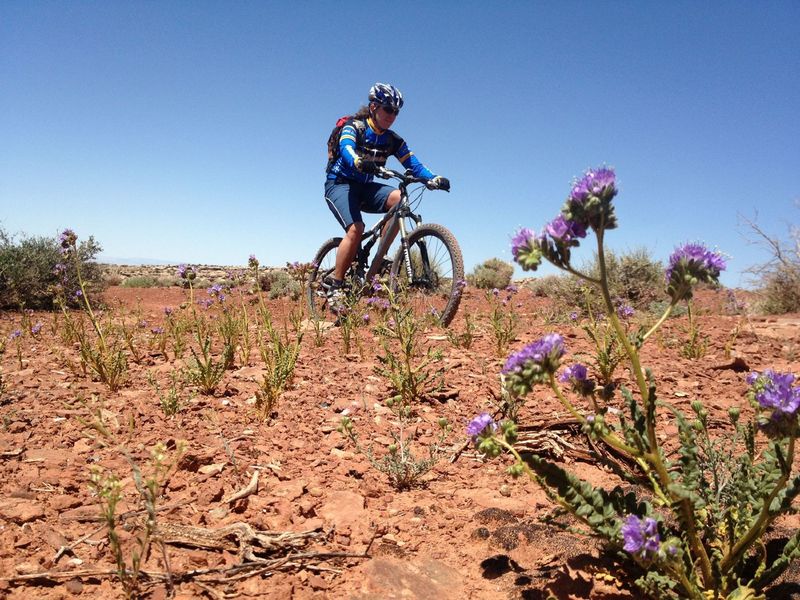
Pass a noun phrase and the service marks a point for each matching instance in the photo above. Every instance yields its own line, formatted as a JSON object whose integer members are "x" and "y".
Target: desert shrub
{"x": 778, "y": 279}
{"x": 494, "y": 273}
{"x": 634, "y": 278}
{"x": 32, "y": 268}
{"x": 280, "y": 284}
{"x": 142, "y": 281}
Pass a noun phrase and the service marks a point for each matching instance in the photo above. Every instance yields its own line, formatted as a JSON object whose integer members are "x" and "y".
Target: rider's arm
{"x": 347, "y": 145}
{"x": 409, "y": 161}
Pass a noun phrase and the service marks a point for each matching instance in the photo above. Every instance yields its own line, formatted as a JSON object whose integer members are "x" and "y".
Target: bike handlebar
{"x": 406, "y": 178}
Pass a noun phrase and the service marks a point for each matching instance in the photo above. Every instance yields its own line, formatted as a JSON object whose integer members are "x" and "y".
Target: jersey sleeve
{"x": 409, "y": 161}
{"x": 347, "y": 145}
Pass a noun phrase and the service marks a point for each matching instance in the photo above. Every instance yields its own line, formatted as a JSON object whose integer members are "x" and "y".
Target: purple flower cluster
{"x": 689, "y": 264}
{"x": 565, "y": 230}
{"x": 601, "y": 183}
{"x": 544, "y": 353}
{"x": 186, "y": 272}
{"x": 379, "y": 303}
{"x": 481, "y": 425}
{"x": 625, "y": 311}
{"x": 67, "y": 239}
{"x": 776, "y": 392}
{"x": 525, "y": 249}
{"x": 35, "y": 329}
{"x": 252, "y": 262}
{"x": 578, "y": 377}
{"x": 15, "y": 334}
{"x": 641, "y": 536}
{"x": 576, "y": 372}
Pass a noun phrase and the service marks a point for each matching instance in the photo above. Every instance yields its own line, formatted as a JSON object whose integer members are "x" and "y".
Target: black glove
{"x": 366, "y": 166}
{"x": 438, "y": 183}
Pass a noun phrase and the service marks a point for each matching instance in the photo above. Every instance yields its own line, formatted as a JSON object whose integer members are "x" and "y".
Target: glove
{"x": 366, "y": 166}
{"x": 438, "y": 183}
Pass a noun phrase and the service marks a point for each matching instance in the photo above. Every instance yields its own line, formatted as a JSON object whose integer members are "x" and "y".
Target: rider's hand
{"x": 438, "y": 183}
{"x": 366, "y": 166}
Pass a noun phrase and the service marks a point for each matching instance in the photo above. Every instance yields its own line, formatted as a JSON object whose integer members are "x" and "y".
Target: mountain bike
{"x": 427, "y": 269}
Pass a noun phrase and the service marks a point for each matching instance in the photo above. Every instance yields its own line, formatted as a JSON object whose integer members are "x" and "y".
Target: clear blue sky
{"x": 195, "y": 131}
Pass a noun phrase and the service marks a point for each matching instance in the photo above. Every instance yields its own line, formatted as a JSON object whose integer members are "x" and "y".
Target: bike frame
{"x": 393, "y": 220}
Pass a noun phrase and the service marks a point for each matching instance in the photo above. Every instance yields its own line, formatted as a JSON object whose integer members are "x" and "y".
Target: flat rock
{"x": 387, "y": 579}
{"x": 20, "y": 510}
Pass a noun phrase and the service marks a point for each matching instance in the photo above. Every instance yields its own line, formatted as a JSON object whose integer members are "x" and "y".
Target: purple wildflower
{"x": 157, "y": 330}
{"x": 36, "y": 329}
{"x": 641, "y": 536}
{"x": 575, "y": 372}
{"x": 77, "y": 294}
{"x": 252, "y": 262}
{"x": 365, "y": 318}
{"x": 15, "y": 334}
{"x": 67, "y": 239}
{"x": 600, "y": 183}
{"x": 521, "y": 241}
{"x": 544, "y": 352}
{"x": 168, "y": 310}
{"x": 182, "y": 270}
{"x": 777, "y": 393}
{"x": 380, "y": 303}
{"x": 573, "y": 316}
{"x": 565, "y": 230}
{"x": 215, "y": 290}
{"x": 689, "y": 264}
{"x": 206, "y": 303}
{"x": 625, "y": 311}
{"x": 481, "y": 425}
{"x": 143, "y": 323}
{"x": 512, "y": 289}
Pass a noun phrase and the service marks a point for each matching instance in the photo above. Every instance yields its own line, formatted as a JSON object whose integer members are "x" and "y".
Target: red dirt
{"x": 469, "y": 531}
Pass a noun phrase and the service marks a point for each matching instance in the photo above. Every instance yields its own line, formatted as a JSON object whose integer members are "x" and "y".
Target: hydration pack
{"x": 333, "y": 138}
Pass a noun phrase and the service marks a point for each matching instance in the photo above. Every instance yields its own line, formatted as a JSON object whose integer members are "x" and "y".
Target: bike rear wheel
{"x": 431, "y": 276}
{"x": 316, "y": 286}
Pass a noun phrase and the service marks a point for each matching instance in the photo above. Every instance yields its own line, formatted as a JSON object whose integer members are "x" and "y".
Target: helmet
{"x": 386, "y": 95}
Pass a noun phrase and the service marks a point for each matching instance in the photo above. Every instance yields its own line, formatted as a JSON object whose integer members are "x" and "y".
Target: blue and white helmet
{"x": 386, "y": 95}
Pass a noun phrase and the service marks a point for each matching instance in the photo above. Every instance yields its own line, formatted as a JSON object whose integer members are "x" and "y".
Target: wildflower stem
{"x": 731, "y": 559}
{"x": 654, "y": 456}
{"x": 610, "y": 438}
{"x": 660, "y": 321}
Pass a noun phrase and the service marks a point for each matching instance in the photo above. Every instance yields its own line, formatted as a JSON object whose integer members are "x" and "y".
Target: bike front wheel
{"x": 316, "y": 285}
{"x": 429, "y": 272}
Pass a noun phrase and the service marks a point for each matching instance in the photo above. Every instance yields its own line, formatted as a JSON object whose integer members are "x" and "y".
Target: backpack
{"x": 333, "y": 138}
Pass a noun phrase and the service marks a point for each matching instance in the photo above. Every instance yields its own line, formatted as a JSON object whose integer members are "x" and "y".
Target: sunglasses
{"x": 391, "y": 110}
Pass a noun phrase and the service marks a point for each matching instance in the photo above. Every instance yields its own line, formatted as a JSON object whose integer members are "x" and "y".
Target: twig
{"x": 251, "y": 488}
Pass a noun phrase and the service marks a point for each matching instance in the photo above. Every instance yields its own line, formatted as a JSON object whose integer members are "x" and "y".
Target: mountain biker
{"x": 365, "y": 143}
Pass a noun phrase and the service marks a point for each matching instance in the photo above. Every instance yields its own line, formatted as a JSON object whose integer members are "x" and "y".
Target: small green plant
{"x": 502, "y": 317}
{"x": 696, "y": 344}
{"x": 492, "y": 274}
{"x": 399, "y": 464}
{"x": 16, "y": 337}
{"x": 608, "y": 352}
{"x": 170, "y": 399}
{"x": 279, "y": 352}
{"x": 463, "y": 339}
{"x": 109, "y": 491}
{"x": 408, "y": 370}
{"x": 203, "y": 370}
{"x": 105, "y": 357}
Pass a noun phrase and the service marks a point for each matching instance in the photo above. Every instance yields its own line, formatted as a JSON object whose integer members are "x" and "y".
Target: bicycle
{"x": 427, "y": 268}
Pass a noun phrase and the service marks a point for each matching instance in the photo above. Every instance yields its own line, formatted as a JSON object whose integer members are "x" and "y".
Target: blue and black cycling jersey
{"x": 364, "y": 140}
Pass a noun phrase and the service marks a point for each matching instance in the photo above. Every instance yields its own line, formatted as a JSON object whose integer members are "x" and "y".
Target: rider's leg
{"x": 387, "y": 234}
{"x": 347, "y": 250}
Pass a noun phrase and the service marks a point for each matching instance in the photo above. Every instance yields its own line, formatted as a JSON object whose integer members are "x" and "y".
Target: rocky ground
{"x": 466, "y": 531}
